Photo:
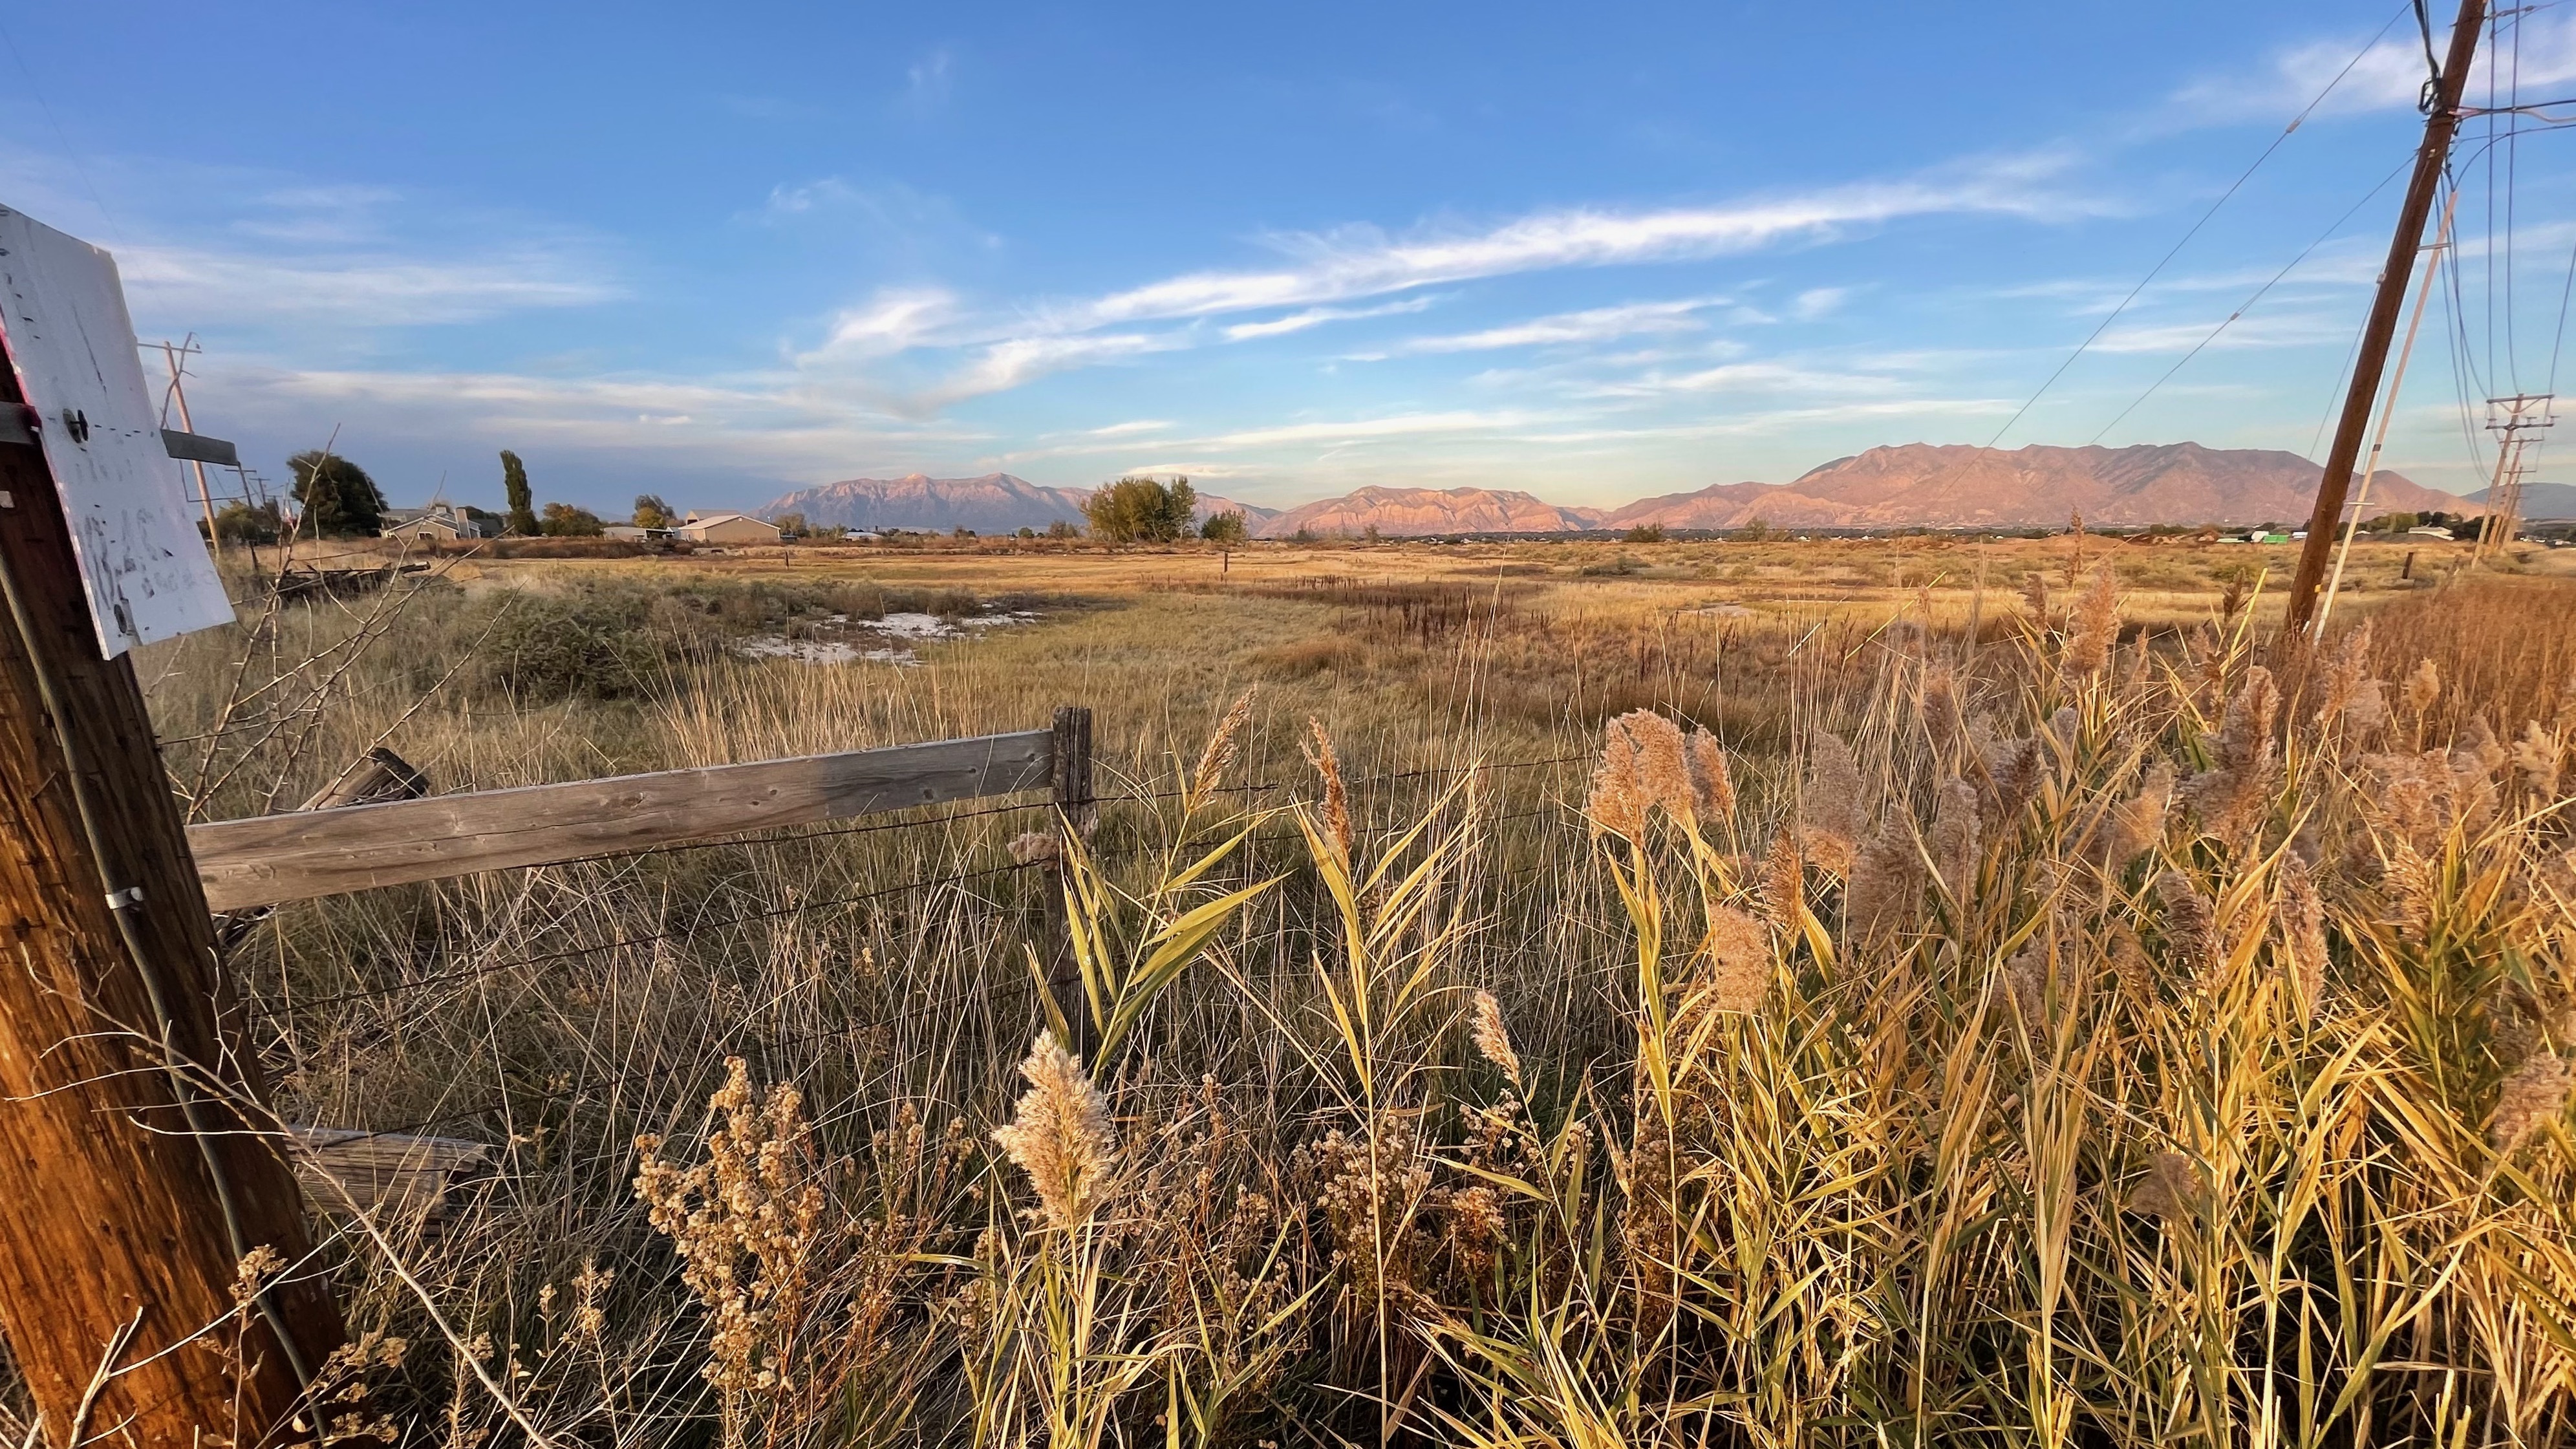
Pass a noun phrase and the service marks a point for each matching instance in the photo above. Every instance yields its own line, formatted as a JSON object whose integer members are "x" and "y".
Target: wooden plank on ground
{"x": 383, "y": 1169}
{"x": 296, "y": 856}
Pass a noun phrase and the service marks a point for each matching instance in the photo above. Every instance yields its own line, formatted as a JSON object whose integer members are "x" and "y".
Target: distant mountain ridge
{"x": 994, "y": 503}
{"x": 2542, "y": 500}
{"x": 1911, "y": 485}
{"x": 1959, "y": 486}
{"x": 1401, "y": 512}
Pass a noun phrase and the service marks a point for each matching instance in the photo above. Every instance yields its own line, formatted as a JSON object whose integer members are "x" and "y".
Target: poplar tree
{"x": 523, "y": 504}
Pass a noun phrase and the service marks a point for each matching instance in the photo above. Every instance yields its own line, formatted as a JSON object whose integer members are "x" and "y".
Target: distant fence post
{"x": 130, "y": 1191}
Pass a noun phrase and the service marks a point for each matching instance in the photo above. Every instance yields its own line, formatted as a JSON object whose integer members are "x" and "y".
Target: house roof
{"x": 702, "y": 520}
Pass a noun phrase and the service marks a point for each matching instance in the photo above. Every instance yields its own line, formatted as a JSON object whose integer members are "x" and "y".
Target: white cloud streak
{"x": 1317, "y": 316}
{"x": 1598, "y": 324}
{"x": 2387, "y": 76}
{"x": 1361, "y": 262}
{"x": 350, "y": 291}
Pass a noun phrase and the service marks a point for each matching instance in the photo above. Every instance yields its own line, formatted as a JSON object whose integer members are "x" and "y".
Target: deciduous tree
{"x": 1142, "y": 510}
{"x": 338, "y": 498}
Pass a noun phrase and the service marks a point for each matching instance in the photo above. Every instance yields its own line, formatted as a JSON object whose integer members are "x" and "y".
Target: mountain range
{"x": 2542, "y": 500}
{"x": 1913, "y": 485}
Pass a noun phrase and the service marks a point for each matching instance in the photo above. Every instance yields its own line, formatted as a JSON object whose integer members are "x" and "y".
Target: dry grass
{"x": 2011, "y": 1021}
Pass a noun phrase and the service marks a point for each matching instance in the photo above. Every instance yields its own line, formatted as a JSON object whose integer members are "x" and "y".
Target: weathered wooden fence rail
{"x": 303, "y": 854}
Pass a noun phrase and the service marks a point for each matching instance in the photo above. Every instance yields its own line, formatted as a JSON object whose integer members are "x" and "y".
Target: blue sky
{"x": 1593, "y": 252}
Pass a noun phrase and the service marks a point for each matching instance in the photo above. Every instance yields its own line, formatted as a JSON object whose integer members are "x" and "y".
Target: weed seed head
{"x": 1493, "y": 1043}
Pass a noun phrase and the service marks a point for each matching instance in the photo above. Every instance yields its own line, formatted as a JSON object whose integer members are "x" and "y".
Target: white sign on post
{"x": 71, "y": 344}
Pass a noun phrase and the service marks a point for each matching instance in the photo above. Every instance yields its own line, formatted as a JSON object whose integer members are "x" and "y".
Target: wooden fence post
{"x": 122, "y": 1222}
{"x": 1070, "y": 770}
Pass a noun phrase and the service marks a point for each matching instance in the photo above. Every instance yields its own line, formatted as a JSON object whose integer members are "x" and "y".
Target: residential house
{"x": 725, "y": 528}
{"x": 438, "y": 523}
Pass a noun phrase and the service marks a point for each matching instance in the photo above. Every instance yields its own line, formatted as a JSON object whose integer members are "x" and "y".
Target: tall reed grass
{"x": 2024, "y": 1030}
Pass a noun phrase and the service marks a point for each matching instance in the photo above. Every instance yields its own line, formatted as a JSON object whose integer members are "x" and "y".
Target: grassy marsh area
{"x": 1874, "y": 991}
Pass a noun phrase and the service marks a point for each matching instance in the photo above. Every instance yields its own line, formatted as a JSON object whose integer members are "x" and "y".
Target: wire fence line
{"x": 460, "y": 975}
{"x": 279, "y": 1012}
{"x": 980, "y": 991}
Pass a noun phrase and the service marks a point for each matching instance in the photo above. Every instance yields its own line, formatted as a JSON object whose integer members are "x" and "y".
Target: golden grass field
{"x": 1844, "y": 992}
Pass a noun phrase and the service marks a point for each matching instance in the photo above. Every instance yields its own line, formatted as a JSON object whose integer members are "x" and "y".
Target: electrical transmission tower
{"x": 2516, "y": 421}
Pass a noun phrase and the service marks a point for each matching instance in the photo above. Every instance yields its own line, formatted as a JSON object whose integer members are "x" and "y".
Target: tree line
{"x": 337, "y": 498}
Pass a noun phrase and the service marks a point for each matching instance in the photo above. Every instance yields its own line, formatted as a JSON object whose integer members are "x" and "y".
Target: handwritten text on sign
{"x": 71, "y": 344}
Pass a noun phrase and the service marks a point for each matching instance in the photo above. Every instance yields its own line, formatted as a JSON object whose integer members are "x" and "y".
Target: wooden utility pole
{"x": 2388, "y": 410}
{"x": 2381, "y": 329}
{"x": 179, "y": 395}
{"x": 129, "y": 1192}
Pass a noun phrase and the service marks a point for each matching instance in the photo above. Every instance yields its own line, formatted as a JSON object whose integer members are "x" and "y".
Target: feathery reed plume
{"x": 1712, "y": 785}
{"x": 1337, "y": 798}
{"x": 2231, "y": 602}
{"x": 2026, "y": 982}
{"x": 2014, "y": 770}
{"x": 2170, "y": 1191}
{"x": 2302, "y": 918}
{"x": 2232, "y": 796}
{"x": 2477, "y": 751}
{"x": 1739, "y": 954}
{"x": 2536, "y": 757}
{"x": 1060, "y": 1135}
{"x": 1955, "y": 837}
{"x": 2131, "y": 966}
{"x": 1219, "y": 755}
{"x": 1830, "y": 809}
{"x": 2245, "y": 732}
{"x": 1035, "y": 847}
{"x": 2137, "y": 824}
{"x": 2423, "y": 688}
{"x": 1493, "y": 1043}
{"x": 1616, "y": 803}
{"x": 2034, "y": 597}
{"x": 2535, "y": 1093}
{"x": 2345, "y": 675}
{"x": 1663, "y": 765}
{"x": 2191, "y": 926}
{"x": 1784, "y": 883}
{"x": 1886, "y": 881}
{"x": 2097, "y": 625}
{"x": 1943, "y": 714}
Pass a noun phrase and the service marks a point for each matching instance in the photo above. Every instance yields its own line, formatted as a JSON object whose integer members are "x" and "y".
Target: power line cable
{"x": 2248, "y": 304}
{"x": 2223, "y": 198}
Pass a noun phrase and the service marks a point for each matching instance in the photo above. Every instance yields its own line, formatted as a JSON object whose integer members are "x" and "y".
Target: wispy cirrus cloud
{"x": 1345, "y": 431}
{"x": 2387, "y": 74}
{"x": 348, "y": 289}
{"x": 1358, "y": 263}
{"x": 763, "y": 419}
{"x": 1299, "y": 321}
{"x": 1748, "y": 377}
{"x": 1597, "y": 324}
{"x": 1363, "y": 262}
{"x": 333, "y": 264}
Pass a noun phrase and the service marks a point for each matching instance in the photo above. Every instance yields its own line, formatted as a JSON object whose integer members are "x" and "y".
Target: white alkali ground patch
{"x": 877, "y": 641}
